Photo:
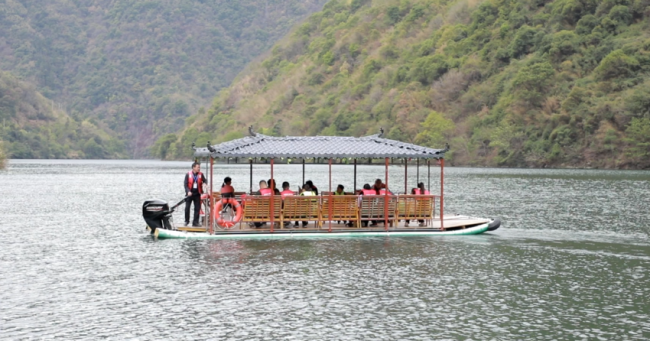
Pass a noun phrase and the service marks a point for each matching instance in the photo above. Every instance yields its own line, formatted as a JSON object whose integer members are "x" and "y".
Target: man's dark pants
{"x": 196, "y": 199}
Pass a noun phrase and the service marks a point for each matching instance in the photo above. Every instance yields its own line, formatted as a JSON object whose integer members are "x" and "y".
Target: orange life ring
{"x": 223, "y": 223}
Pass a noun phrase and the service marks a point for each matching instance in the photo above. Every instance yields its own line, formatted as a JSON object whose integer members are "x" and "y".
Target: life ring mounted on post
{"x": 223, "y": 212}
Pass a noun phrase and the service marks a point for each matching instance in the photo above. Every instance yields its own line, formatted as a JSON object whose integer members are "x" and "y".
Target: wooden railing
{"x": 358, "y": 209}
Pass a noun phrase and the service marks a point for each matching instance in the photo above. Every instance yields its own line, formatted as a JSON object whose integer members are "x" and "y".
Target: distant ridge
{"x": 31, "y": 127}
{"x": 518, "y": 83}
{"x": 138, "y": 68}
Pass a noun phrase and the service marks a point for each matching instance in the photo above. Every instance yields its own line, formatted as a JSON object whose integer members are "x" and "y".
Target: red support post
{"x": 211, "y": 213}
{"x": 386, "y": 200}
{"x": 272, "y": 197}
{"x": 330, "y": 199}
{"x": 442, "y": 193}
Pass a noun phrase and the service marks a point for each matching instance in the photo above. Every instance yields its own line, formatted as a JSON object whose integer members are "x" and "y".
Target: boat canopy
{"x": 372, "y": 146}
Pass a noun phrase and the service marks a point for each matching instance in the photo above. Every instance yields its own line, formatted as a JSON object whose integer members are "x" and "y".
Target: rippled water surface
{"x": 571, "y": 262}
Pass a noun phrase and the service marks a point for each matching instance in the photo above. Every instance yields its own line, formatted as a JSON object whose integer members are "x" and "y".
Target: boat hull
{"x": 171, "y": 234}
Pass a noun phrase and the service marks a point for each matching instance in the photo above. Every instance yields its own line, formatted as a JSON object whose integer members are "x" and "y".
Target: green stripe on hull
{"x": 168, "y": 234}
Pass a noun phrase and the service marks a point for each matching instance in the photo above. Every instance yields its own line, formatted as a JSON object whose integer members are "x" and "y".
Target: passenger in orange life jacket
{"x": 264, "y": 189}
{"x": 420, "y": 190}
{"x": 378, "y": 186}
{"x": 227, "y": 191}
{"x": 367, "y": 190}
{"x": 273, "y": 187}
{"x": 285, "y": 190}
{"x": 194, "y": 181}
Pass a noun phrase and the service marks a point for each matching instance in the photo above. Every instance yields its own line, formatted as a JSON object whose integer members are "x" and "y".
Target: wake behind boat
{"x": 267, "y": 213}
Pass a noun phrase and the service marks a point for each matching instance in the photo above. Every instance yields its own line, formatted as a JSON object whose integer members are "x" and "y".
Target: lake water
{"x": 572, "y": 261}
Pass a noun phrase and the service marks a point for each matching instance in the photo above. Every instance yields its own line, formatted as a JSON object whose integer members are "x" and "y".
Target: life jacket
{"x": 383, "y": 192}
{"x": 190, "y": 181}
{"x": 337, "y": 193}
{"x": 266, "y": 191}
{"x": 286, "y": 193}
{"x": 308, "y": 193}
{"x": 227, "y": 189}
{"x": 369, "y": 192}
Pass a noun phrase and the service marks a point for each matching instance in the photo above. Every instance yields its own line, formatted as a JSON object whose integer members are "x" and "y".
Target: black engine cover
{"x": 156, "y": 214}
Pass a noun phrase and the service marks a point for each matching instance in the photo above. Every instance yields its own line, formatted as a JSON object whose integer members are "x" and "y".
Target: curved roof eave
{"x": 372, "y": 146}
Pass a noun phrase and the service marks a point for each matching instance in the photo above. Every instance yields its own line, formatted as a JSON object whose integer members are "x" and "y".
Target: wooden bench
{"x": 371, "y": 208}
{"x": 343, "y": 207}
{"x": 416, "y": 207}
{"x": 300, "y": 208}
{"x": 325, "y": 193}
{"x": 257, "y": 209}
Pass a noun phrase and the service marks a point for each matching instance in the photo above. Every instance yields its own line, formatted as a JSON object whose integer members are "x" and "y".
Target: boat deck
{"x": 451, "y": 222}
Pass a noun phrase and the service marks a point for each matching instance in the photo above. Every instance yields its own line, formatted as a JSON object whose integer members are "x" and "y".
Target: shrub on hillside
{"x": 616, "y": 64}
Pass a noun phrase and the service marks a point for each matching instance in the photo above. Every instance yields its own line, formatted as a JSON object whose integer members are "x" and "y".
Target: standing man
{"x": 194, "y": 181}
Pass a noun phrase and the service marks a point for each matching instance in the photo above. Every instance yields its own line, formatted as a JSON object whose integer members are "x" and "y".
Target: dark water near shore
{"x": 571, "y": 262}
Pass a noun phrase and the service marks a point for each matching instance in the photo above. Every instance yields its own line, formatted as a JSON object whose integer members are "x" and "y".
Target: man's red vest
{"x": 266, "y": 191}
{"x": 286, "y": 193}
{"x": 369, "y": 192}
{"x": 418, "y": 192}
{"x": 190, "y": 181}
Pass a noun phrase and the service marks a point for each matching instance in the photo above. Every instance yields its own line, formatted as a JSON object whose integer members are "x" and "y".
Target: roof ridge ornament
{"x": 212, "y": 150}
{"x": 381, "y": 132}
{"x": 250, "y": 131}
{"x": 193, "y": 146}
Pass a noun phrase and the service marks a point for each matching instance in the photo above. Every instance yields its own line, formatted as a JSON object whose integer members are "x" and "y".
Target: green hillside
{"x": 138, "y": 67}
{"x": 31, "y": 127}
{"x": 525, "y": 83}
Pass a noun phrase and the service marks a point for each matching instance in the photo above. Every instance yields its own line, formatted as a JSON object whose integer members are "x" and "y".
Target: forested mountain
{"x": 33, "y": 127}
{"x": 506, "y": 82}
{"x": 139, "y": 68}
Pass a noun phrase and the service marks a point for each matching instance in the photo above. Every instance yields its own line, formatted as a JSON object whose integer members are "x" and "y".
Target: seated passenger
{"x": 420, "y": 190}
{"x": 273, "y": 187}
{"x": 227, "y": 191}
{"x": 264, "y": 189}
{"x": 367, "y": 190}
{"x": 417, "y": 191}
{"x": 340, "y": 190}
{"x": 285, "y": 190}
{"x": 306, "y": 191}
{"x": 380, "y": 188}
{"x": 313, "y": 188}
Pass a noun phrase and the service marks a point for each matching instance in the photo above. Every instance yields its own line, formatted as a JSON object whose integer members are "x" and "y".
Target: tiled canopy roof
{"x": 372, "y": 146}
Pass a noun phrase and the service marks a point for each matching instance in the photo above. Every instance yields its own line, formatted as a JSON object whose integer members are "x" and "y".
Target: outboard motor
{"x": 156, "y": 214}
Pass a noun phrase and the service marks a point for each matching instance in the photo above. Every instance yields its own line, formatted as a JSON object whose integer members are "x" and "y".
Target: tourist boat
{"x": 272, "y": 216}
